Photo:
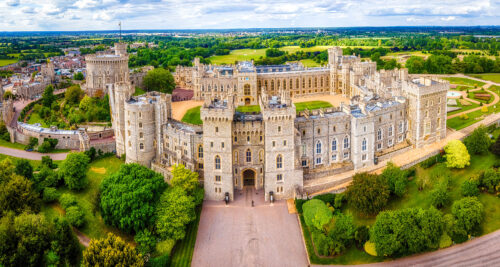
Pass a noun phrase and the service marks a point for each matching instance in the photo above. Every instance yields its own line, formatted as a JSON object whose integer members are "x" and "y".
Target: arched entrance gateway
{"x": 249, "y": 178}
{"x": 247, "y": 101}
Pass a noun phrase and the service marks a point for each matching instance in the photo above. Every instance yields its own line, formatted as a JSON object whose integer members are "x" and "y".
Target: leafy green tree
{"x": 111, "y": 251}
{"x": 78, "y": 76}
{"x": 146, "y": 241}
{"x": 174, "y": 211}
{"x": 343, "y": 230}
{"x": 491, "y": 179}
{"x": 74, "y": 170}
{"x": 440, "y": 195}
{"x": 468, "y": 213}
{"x": 415, "y": 64}
{"x": 316, "y": 214}
{"x": 188, "y": 181}
{"x": 478, "y": 142}
{"x": 86, "y": 103}
{"x": 368, "y": 193}
{"x": 396, "y": 179}
{"x": 24, "y": 168}
{"x": 67, "y": 200}
{"x": 470, "y": 188}
{"x": 495, "y": 148}
{"x": 64, "y": 242}
{"x": 407, "y": 231}
{"x": 129, "y": 197}
{"x": 456, "y": 155}
{"x": 18, "y": 195}
{"x": 75, "y": 216}
{"x": 48, "y": 96}
{"x": 160, "y": 80}
{"x": 50, "y": 194}
{"x": 361, "y": 235}
{"x": 73, "y": 94}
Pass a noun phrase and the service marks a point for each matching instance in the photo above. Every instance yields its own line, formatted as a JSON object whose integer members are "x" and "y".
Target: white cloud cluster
{"x": 32, "y": 15}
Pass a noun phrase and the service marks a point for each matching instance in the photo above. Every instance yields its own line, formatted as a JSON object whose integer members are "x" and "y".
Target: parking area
{"x": 240, "y": 234}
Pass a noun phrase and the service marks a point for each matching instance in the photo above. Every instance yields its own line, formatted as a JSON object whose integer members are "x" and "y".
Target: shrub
{"x": 75, "y": 216}
{"x": 50, "y": 194}
{"x": 160, "y": 261}
{"x": 67, "y": 200}
{"x": 327, "y": 198}
{"x": 321, "y": 242}
{"x": 439, "y": 195}
{"x": 484, "y": 109}
{"x": 470, "y": 188}
{"x": 468, "y": 214}
{"x": 395, "y": 178}
{"x": 457, "y": 155}
{"x": 370, "y": 248}
{"x": 490, "y": 180}
{"x": 339, "y": 200}
{"x": 146, "y": 241}
{"x": 445, "y": 241}
{"x": 316, "y": 214}
{"x": 361, "y": 235}
{"x": 368, "y": 193}
{"x": 478, "y": 141}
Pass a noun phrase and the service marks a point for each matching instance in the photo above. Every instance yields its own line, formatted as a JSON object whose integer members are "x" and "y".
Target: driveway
{"x": 241, "y": 235}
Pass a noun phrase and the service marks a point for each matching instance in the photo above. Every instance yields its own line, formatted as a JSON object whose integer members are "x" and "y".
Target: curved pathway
{"x": 485, "y": 87}
{"x": 18, "y": 153}
{"x": 481, "y": 251}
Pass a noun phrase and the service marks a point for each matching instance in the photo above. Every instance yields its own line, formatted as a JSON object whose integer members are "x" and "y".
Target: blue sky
{"x": 33, "y": 15}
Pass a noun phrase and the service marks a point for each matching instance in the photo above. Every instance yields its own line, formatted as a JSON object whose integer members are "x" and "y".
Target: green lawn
{"x": 472, "y": 95}
{"x": 310, "y": 105}
{"x": 11, "y": 145}
{"x": 310, "y": 63}
{"x": 182, "y": 253}
{"x": 414, "y": 198}
{"x": 248, "y": 109}
{"x": 464, "y": 108}
{"x": 35, "y": 118}
{"x": 462, "y": 81}
{"x": 494, "y": 77}
{"x": 95, "y": 226}
{"x": 34, "y": 163}
{"x": 193, "y": 116}
{"x": 139, "y": 91}
{"x": 5, "y": 62}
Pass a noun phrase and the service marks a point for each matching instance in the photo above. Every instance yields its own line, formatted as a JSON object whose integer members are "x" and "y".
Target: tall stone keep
{"x": 217, "y": 116}
{"x": 119, "y": 93}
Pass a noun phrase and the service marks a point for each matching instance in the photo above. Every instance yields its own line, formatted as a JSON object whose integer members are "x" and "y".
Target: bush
{"x": 395, "y": 178}
{"x": 457, "y": 155}
{"x": 431, "y": 161}
{"x": 321, "y": 242}
{"x": 327, "y": 198}
{"x": 470, "y": 188}
{"x": 146, "y": 241}
{"x": 445, "y": 241}
{"x": 339, "y": 200}
{"x": 439, "y": 195}
{"x": 468, "y": 214}
{"x": 50, "y": 194}
{"x": 316, "y": 214}
{"x": 361, "y": 235}
{"x": 368, "y": 193}
{"x": 67, "y": 200}
{"x": 370, "y": 248}
{"x": 160, "y": 261}
{"x": 299, "y": 203}
{"x": 478, "y": 141}
{"x": 75, "y": 216}
{"x": 490, "y": 180}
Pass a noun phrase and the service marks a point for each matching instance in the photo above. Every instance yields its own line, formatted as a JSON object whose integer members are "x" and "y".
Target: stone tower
{"x": 334, "y": 56}
{"x": 118, "y": 94}
{"x": 247, "y": 88}
{"x": 121, "y": 49}
{"x": 217, "y": 116}
{"x": 281, "y": 175}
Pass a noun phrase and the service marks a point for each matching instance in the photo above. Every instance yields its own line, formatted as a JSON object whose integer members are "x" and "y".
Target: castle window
{"x": 274, "y": 143}
{"x": 334, "y": 128}
{"x": 272, "y": 84}
{"x": 319, "y": 130}
{"x": 284, "y": 84}
{"x": 261, "y": 137}
{"x": 304, "y": 163}
{"x": 278, "y": 84}
{"x": 303, "y": 82}
{"x": 401, "y": 126}
{"x": 211, "y": 144}
{"x": 279, "y": 177}
{"x": 379, "y": 119}
{"x": 279, "y": 128}
{"x": 297, "y": 83}
{"x": 318, "y": 160}
{"x": 363, "y": 157}
{"x": 259, "y": 85}
{"x": 235, "y": 139}
{"x": 364, "y": 129}
{"x": 390, "y": 142}
{"x": 141, "y": 146}
{"x": 217, "y": 162}
{"x": 303, "y": 132}
{"x": 309, "y": 82}
{"x": 379, "y": 146}
{"x": 400, "y": 138}
{"x": 140, "y": 114}
{"x": 235, "y": 156}
{"x": 279, "y": 162}
{"x": 390, "y": 131}
{"x": 249, "y": 155}
{"x": 200, "y": 166}
{"x": 379, "y": 134}
{"x": 128, "y": 132}
{"x": 334, "y": 145}
{"x": 200, "y": 152}
{"x": 315, "y": 82}
{"x": 426, "y": 114}
{"x": 390, "y": 116}
{"x": 363, "y": 144}
{"x": 141, "y": 135}
{"x": 248, "y": 138}
{"x": 128, "y": 122}
{"x": 261, "y": 156}
{"x": 284, "y": 142}
{"x": 140, "y": 124}
{"x": 334, "y": 157}
{"x": 304, "y": 149}
{"x": 265, "y": 84}
{"x": 346, "y": 142}
{"x": 216, "y": 129}
{"x": 222, "y": 145}
{"x": 217, "y": 178}
{"x": 318, "y": 147}
{"x": 246, "y": 89}
{"x": 438, "y": 123}
{"x": 346, "y": 155}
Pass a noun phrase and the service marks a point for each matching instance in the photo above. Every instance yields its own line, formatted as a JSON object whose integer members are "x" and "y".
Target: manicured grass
{"x": 293, "y": 49}
{"x": 472, "y": 95}
{"x": 183, "y": 250}
{"x": 464, "y": 108}
{"x": 248, "y": 109}
{"x": 35, "y": 118}
{"x": 458, "y": 123}
{"x": 310, "y": 105}
{"x": 310, "y": 63}
{"x": 11, "y": 145}
{"x": 87, "y": 199}
{"x": 193, "y": 116}
{"x": 494, "y": 77}
{"x": 5, "y": 62}
{"x": 238, "y": 55}
{"x": 139, "y": 91}
{"x": 462, "y": 81}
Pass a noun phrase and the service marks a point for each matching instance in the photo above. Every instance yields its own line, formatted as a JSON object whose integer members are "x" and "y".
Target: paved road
{"x": 242, "y": 235}
{"x": 30, "y": 155}
{"x": 482, "y": 251}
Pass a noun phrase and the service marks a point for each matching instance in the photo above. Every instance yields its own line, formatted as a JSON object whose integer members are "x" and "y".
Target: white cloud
{"x": 449, "y": 18}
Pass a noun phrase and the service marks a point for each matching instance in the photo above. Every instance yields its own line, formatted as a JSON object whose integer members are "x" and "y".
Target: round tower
{"x": 140, "y": 131}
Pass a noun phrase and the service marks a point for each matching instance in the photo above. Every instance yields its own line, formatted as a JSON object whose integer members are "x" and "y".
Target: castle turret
{"x": 121, "y": 49}
{"x": 118, "y": 94}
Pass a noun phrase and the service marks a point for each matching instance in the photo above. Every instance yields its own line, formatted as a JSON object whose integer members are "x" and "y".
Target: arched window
{"x": 363, "y": 144}
{"x": 200, "y": 152}
{"x": 346, "y": 142}
{"x": 249, "y": 155}
{"x": 246, "y": 89}
{"x": 217, "y": 162}
{"x": 141, "y": 146}
{"x": 318, "y": 147}
{"x": 279, "y": 162}
{"x": 284, "y": 84}
{"x": 379, "y": 134}
{"x": 334, "y": 145}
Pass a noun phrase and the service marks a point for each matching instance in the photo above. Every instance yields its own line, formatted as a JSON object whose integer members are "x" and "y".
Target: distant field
{"x": 494, "y": 77}
{"x": 238, "y": 55}
{"x": 293, "y": 49}
{"x": 463, "y": 81}
{"x": 5, "y": 62}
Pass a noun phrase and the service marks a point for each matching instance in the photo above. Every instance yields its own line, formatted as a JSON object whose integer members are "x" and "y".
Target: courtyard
{"x": 241, "y": 235}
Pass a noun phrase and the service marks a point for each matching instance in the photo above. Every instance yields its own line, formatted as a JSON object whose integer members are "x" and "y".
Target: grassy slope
{"x": 183, "y": 250}
{"x": 310, "y": 105}
{"x": 193, "y": 116}
{"x": 494, "y": 77}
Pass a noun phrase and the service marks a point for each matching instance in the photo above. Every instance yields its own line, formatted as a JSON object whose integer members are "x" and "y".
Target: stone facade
{"x": 277, "y": 148}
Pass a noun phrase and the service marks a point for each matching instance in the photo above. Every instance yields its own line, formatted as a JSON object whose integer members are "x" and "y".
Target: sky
{"x": 81, "y": 15}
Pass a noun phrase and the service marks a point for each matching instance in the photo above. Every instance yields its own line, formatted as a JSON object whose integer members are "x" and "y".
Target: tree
{"x": 316, "y": 214}
{"x": 86, "y": 103}
{"x": 17, "y": 195}
{"x": 73, "y": 94}
{"x": 160, "y": 80}
{"x": 146, "y": 241}
{"x": 478, "y": 142}
{"x": 470, "y": 188}
{"x": 368, "y": 193}
{"x": 174, "y": 211}
{"x": 440, "y": 195}
{"x": 129, "y": 197}
{"x": 78, "y": 76}
{"x": 74, "y": 170}
{"x": 24, "y": 168}
{"x": 184, "y": 178}
{"x": 48, "y": 96}
{"x": 407, "y": 231}
{"x": 456, "y": 154}
{"x": 468, "y": 213}
{"x": 64, "y": 242}
{"x": 343, "y": 230}
{"x": 111, "y": 251}
{"x": 490, "y": 180}
{"x": 75, "y": 216}
{"x": 395, "y": 178}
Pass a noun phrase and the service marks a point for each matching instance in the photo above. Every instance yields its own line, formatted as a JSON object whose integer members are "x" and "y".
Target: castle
{"x": 277, "y": 148}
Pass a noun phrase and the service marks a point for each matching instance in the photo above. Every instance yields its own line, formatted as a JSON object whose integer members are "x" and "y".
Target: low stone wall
{"x": 106, "y": 147}
{"x": 328, "y": 172}
{"x": 394, "y": 153}
{"x": 167, "y": 175}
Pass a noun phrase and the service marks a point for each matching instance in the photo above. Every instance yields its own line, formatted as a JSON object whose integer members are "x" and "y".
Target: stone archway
{"x": 247, "y": 101}
{"x": 249, "y": 177}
